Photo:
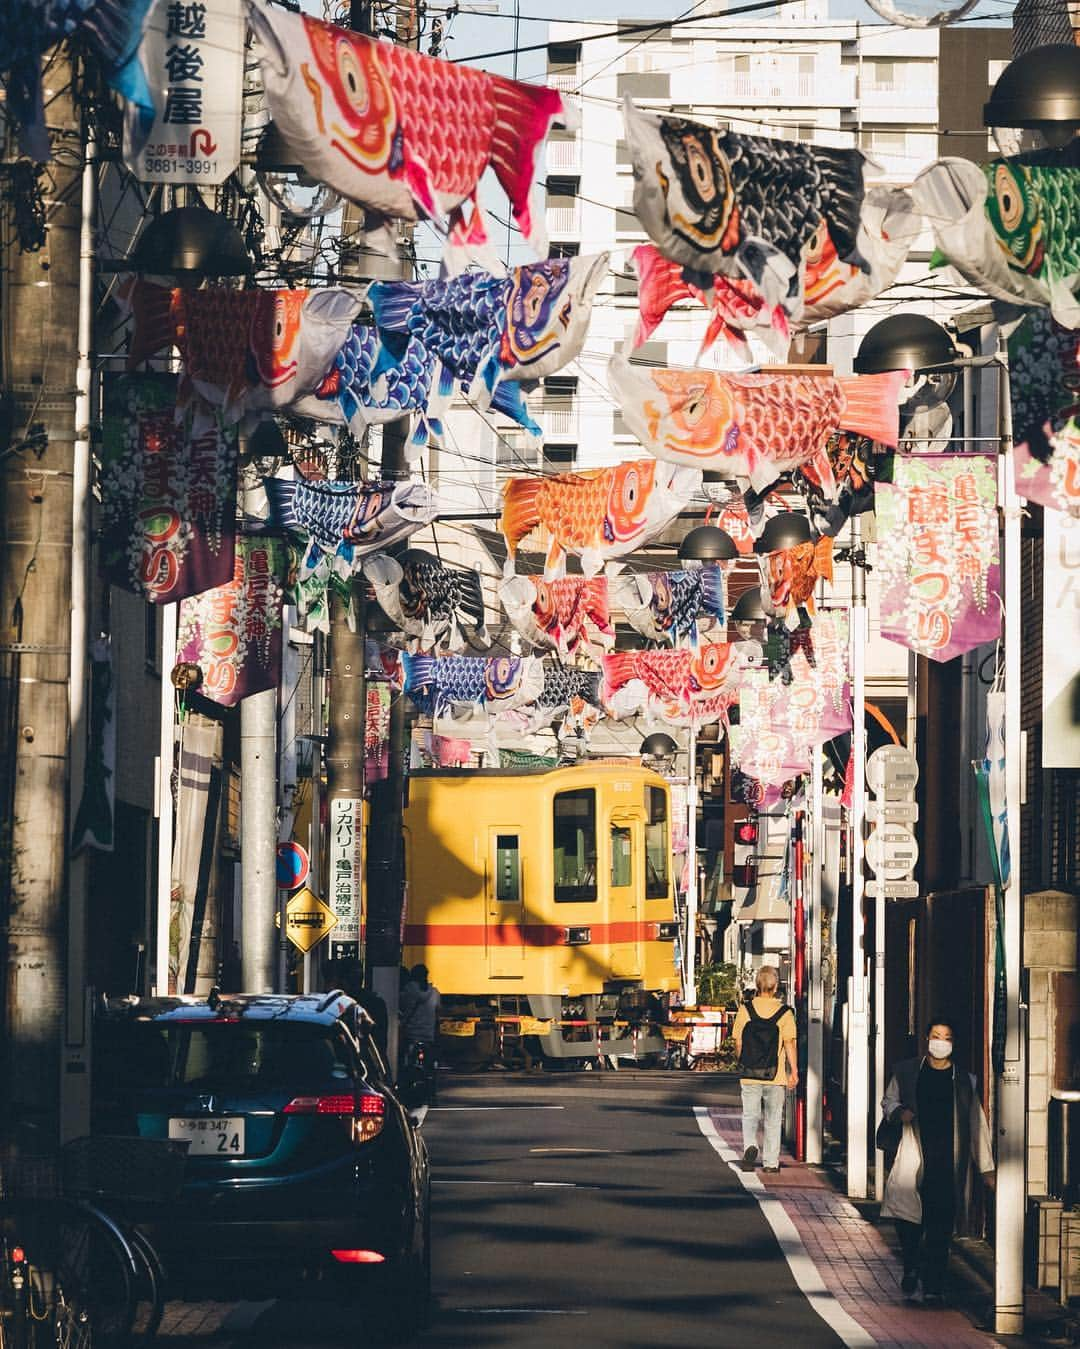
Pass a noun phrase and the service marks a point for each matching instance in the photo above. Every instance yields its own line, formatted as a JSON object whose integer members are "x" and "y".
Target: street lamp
{"x": 786, "y": 530}
{"x": 190, "y": 243}
{"x": 1011, "y": 1085}
{"x": 707, "y": 543}
{"x": 1038, "y": 93}
{"x": 749, "y": 608}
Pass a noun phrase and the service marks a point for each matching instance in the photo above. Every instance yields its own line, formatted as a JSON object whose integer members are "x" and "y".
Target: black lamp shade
{"x": 267, "y": 441}
{"x": 658, "y": 746}
{"x": 707, "y": 543}
{"x": 191, "y": 243}
{"x": 1039, "y": 89}
{"x": 904, "y": 342}
{"x": 748, "y": 607}
{"x": 786, "y": 530}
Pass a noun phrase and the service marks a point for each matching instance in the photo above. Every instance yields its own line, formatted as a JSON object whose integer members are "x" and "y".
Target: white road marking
{"x": 803, "y": 1269}
{"x": 516, "y": 1311}
{"x": 418, "y": 1114}
{"x": 497, "y": 1107}
{"x": 576, "y": 1152}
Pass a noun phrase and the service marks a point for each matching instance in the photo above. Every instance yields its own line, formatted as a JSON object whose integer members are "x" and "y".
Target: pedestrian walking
{"x": 419, "y": 1017}
{"x": 934, "y": 1130}
{"x": 764, "y": 1034}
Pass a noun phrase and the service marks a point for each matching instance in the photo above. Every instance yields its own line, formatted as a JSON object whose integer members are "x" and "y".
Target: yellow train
{"x": 544, "y": 896}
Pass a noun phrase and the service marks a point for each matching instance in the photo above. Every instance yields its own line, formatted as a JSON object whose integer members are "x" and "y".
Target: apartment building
{"x": 905, "y": 96}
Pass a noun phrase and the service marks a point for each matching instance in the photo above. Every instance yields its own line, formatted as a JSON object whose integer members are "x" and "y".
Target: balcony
{"x": 785, "y": 90}
{"x": 563, "y": 221}
{"x": 566, "y": 81}
{"x": 560, "y": 422}
{"x": 563, "y": 154}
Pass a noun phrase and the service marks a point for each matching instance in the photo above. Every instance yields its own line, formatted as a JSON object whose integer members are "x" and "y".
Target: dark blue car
{"x": 302, "y": 1163}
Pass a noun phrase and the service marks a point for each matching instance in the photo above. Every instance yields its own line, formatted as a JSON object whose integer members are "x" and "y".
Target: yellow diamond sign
{"x": 307, "y": 919}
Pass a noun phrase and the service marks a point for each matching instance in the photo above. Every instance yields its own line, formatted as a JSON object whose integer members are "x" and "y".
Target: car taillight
{"x": 370, "y": 1117}
{"x": 321, "y": 1105}
{"x": 358, "y": 1257}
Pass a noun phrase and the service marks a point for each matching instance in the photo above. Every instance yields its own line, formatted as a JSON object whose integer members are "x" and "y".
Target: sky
{"x": 475, "y": 34}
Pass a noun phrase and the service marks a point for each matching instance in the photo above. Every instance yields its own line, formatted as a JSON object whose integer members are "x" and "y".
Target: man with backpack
{"x": 764, "y": 1034}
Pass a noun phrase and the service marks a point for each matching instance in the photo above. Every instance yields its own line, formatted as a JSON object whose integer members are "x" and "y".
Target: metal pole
{"x": 815, "y": 1010}
{"x": 1011, "y": 1085}
{"x": 858, "y": 1019}
{"x": 798, "y": 862}
{"x": 75, "y": 1070}
{"x": 163, "y": 805}
{"x": 690, "y": 962}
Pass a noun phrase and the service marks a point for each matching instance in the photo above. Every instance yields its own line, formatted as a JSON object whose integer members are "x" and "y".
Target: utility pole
{"x": 39, "y": 295}
{"x": 259, "y": 939}
{"x": 384, "y": 875}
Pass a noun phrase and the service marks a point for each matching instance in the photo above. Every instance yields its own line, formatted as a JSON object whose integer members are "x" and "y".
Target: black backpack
{"x": 760, "y": 1054}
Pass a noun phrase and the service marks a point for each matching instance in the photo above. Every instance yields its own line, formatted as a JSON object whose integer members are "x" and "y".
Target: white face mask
{"x": 940, "y": 1049}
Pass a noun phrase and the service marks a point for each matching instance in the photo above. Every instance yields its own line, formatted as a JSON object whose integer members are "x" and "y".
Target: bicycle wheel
{"x": 96, "y": 1272}
{"x": 149, "y": 1290}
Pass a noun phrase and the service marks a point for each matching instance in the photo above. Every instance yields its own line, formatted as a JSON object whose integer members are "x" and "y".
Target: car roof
{"x": 318, "y": 1008}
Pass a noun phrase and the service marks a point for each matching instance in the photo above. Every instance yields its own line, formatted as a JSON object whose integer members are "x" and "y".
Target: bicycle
{"x": 88, "y": 1278}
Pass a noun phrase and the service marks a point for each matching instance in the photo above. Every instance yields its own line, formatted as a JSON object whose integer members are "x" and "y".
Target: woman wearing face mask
{"x": 933, "y": 1121}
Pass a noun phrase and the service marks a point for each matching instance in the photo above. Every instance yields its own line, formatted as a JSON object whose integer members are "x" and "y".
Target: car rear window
{"x": 233, "y": 1055}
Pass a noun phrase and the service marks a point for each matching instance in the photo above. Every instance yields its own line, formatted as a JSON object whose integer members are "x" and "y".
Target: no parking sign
{"x": 292, "y": 866}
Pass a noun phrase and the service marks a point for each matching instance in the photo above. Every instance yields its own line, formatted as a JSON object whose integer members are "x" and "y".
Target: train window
{"x": 507, "y": 869}
{"x": 621, "y": 869}
{"x": 656, "y": 844}
{"x": 574, "y": 843}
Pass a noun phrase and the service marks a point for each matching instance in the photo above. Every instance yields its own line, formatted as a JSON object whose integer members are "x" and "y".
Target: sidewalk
{"x": 858, "y": 1264}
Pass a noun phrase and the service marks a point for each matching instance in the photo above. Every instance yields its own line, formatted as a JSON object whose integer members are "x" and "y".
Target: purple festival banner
{"x": 168, "y": 492}
{"x": 937, "y": 534}
{"x": 233, "y": 633}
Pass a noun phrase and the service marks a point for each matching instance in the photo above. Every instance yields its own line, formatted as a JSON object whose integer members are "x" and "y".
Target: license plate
{"x": 218, "y": 1137}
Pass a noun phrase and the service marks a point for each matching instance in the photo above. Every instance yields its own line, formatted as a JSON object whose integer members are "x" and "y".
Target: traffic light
{"x": 746, "y": 832}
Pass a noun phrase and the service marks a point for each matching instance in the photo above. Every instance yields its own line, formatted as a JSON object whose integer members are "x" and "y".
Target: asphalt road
{"x": 584, "y": 1210}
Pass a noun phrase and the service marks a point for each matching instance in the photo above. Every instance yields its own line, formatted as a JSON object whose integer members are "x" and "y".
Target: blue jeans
{"x": 771, "y": 1096}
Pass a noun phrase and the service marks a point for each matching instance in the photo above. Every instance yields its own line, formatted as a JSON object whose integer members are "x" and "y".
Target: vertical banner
{"x": 168, "y": 492}
{"x": 1061, "y": 641}
{"x": 346, "y": 872}
{"x": 193, "y": 55}
{"x": 938, "y": 553}
{"x": 233, "y": 633}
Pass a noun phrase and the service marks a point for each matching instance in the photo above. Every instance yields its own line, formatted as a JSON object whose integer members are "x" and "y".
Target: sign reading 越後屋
{"x": 346, "y": 862}
{"x": 193, "y": 54}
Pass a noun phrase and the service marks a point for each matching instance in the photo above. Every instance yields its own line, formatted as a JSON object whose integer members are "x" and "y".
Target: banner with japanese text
{"x": 345, "y": 856}
{"x": 168, "y": 491}
{"x": 233, "y": 633}
{"x": 193, "y": 55}
{"x": 940, "y": 575}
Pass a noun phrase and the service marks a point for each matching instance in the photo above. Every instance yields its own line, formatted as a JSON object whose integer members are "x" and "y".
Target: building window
{"x": 622, "y": 870}
{"x": 563, "y": 189}
{"x": 574, "y": 846}
{"x": 650, "y": 353}
{"x": 885, "y": 142}
{"x": 564, "y": 250}
{"x": 560, "y": 457}
{"x": 563, "y": 54}
{"x": 656, "y": 843}
{"x": 644, "y": 84}
{"x": 807, "y": 63}
{"x": 507, "y": 869}
{"x": 625, "y": 284}
{"x": 883, "y": 75}
{"x": 561, "y": 386}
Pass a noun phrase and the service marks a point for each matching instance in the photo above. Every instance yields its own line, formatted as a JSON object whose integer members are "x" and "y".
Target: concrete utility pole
{"x": 259, "y": 939}
{"x": 385, "y": 878}
{"x": 39, "y": 294}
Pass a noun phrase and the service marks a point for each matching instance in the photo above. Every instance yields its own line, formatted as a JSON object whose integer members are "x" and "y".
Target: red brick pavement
{"x": 853, "y": 1259}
